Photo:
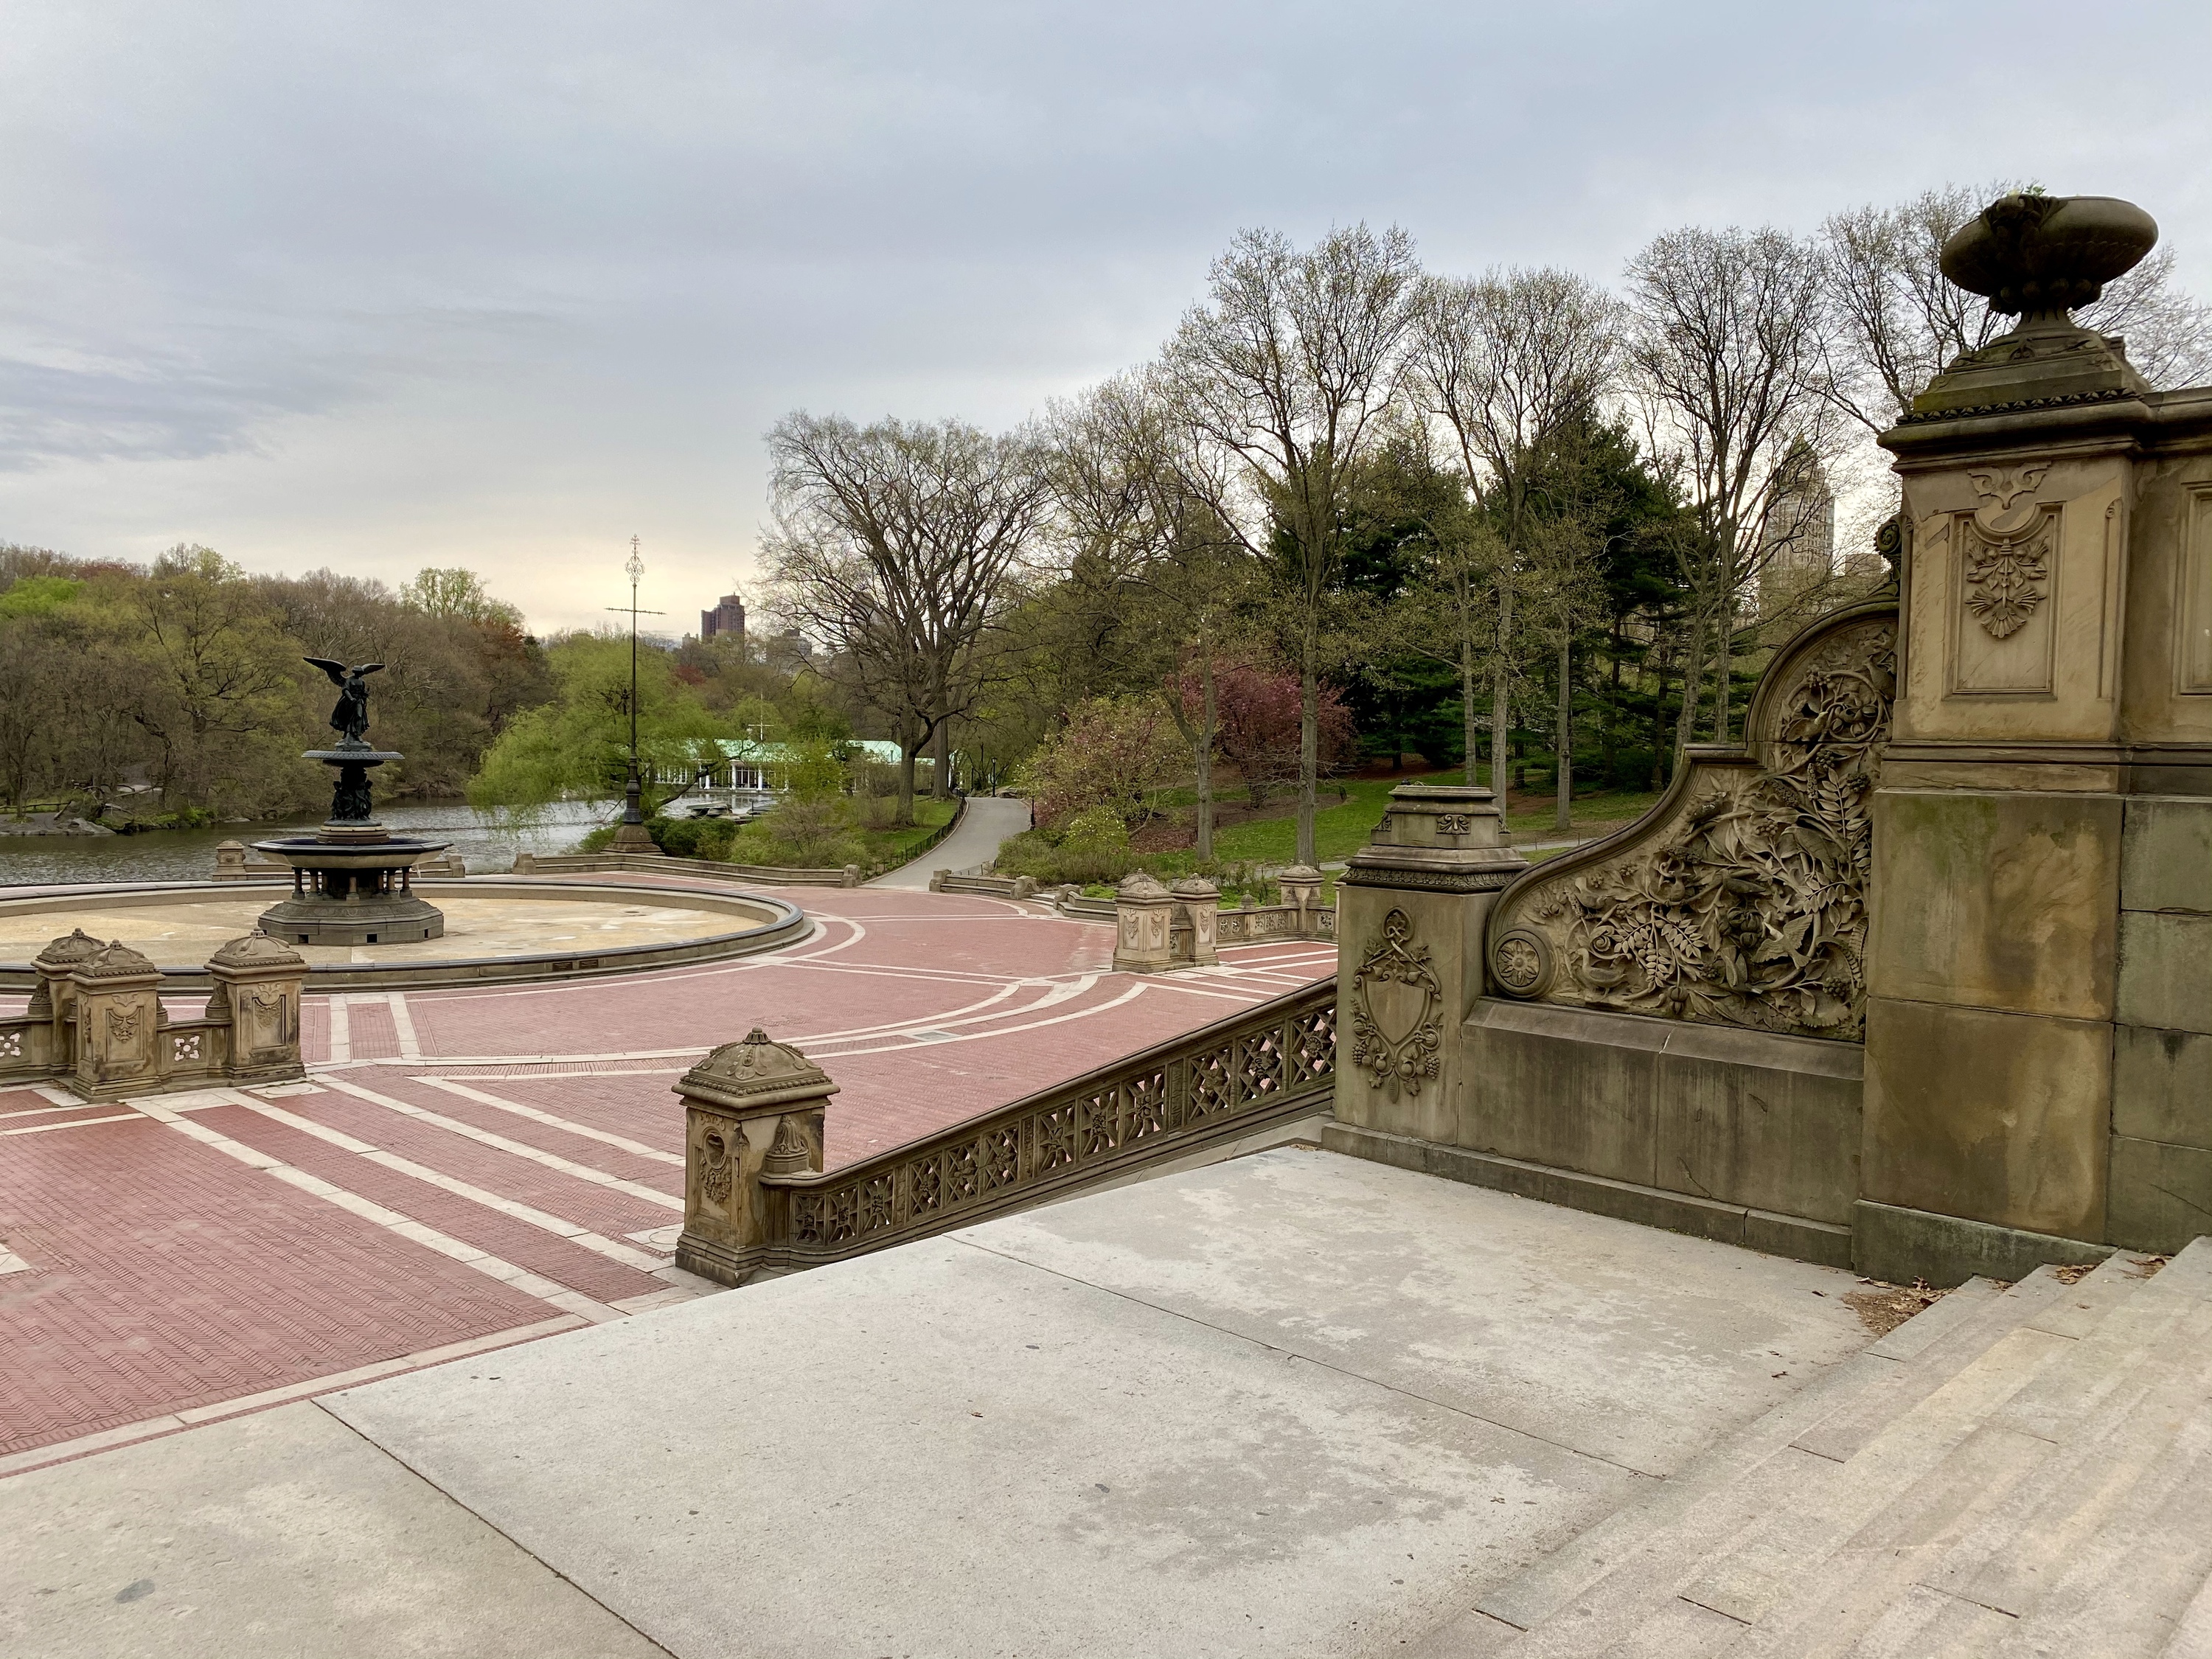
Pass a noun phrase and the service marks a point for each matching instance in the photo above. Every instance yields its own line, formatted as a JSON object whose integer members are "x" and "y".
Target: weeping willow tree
{"x": 577, "y": 745}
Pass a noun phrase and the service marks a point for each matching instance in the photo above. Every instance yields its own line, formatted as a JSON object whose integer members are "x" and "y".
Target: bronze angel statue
{"x": 349, "y": 720}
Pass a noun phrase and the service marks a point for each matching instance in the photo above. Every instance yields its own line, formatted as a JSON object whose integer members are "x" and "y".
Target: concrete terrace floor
{"x": 1291, "y": 1404}
{"x": 469, "y": 1168}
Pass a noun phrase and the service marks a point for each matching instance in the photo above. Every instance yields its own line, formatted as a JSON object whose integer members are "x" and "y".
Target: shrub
{"x": 1111, "y": 753}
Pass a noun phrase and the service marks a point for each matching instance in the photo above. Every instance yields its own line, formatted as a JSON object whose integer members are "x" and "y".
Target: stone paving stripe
{"x": 39, "y": 1112}
{"x": 341, "y": 1036}
{"x": 60, "y": 1096}
{"x": 1129, "y": 995}
{"x": 528, "y": 1283}
{"x": 574, "y": 1232}
{"x": 12, "y": 1263}
{"x": 519, "y": 1149}
{"x": 402, "y": 1022}
{"x": 73, "y": 1123}
{"x": 637, "y": 1147}
{"x": 63, "y": 1450}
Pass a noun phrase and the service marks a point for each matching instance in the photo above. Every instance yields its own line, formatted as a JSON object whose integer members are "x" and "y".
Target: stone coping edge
{"x": 786, "y": 924}
{"x": 1768, "y": 1231}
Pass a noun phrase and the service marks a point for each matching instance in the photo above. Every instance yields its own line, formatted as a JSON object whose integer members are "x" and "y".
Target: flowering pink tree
{"x": 1256, "y": 716}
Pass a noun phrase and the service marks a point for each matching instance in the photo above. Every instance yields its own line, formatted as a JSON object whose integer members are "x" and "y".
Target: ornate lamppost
{"x": 633, "y": 836}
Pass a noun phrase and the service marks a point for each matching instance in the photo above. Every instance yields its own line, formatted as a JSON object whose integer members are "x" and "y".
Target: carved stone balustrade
{"x": 1144, "y": 924}
{"x": 95, "y": 1024}
{"x": 750, "y": 1208}
{"x": 750, "y": 1109}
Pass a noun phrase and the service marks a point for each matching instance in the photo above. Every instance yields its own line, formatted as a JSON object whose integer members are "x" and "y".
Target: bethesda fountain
{"x": 351, "y": 881}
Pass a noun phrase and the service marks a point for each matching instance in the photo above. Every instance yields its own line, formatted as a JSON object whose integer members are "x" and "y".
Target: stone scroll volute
{"x": 1741, "y": 898}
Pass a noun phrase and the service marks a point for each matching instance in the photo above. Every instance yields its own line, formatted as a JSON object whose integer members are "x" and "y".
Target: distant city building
{"x": 1796, "y": 551}
{"x": 726, "y": 617}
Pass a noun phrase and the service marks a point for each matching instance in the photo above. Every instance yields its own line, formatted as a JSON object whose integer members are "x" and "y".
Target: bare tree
{"x": 1506, "y": 361}
{"x": 1148, "y": 546}
{"x": 1728, "y": 364}
{"x": 1899, "y": 322}
{"x": 896, "y": 545}
{"x": 1288, "y": 370}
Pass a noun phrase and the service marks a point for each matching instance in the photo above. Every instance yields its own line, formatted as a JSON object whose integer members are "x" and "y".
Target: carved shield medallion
{"x": 1396, "y": 1000}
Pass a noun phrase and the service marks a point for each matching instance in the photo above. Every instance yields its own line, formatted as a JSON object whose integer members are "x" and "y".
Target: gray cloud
{"x": 502, "y": 284}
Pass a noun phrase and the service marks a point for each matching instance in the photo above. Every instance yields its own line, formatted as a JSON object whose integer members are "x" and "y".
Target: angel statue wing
{"x": 335, "y": 670}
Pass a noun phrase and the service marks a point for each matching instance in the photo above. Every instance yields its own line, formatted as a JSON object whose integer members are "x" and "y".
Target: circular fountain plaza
{"x": 497, "y": 929}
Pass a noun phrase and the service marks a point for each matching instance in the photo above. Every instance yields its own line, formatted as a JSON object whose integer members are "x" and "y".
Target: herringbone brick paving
{"x": 166, "y": 1275}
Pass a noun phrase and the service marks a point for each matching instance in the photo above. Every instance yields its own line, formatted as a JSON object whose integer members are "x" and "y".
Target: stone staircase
{"x": 2017, "y": 1471}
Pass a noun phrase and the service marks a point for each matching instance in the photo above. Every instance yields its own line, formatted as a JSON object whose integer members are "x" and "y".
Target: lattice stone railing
{"x": 756, "y": 1105}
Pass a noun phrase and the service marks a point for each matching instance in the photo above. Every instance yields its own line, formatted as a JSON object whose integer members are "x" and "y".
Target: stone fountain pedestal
{"x": 352, "y": 881}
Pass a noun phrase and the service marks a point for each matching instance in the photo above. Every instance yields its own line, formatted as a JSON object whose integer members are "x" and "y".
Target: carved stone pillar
{"x": 750, "y": 1109}
{"x": 118, "y": 1016}
{"x": 53, "y": 997}
{"x": 1198, "y": 908}
{"x": 1144, "y": 920}
{"x": 1409, "y": 928}
{"x": 1300, "y": 885}
{"x": 2040, "y": 1016}
{"x": 257, "y": 981}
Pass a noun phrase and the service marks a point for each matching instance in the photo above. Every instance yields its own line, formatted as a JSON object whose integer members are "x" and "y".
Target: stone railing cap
{"x": 1298, "y": 873}
{"x": 115, "y": 961}
{"x": 66, "y": 952}
{"x": 754, "y": 1074}
{"x": 1196, "y": 887}
{"x": 1140, "y": 884}
{"x": 257, "y": 950}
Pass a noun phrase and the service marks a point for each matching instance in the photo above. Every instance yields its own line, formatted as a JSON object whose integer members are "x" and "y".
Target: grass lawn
{"x": 1341, "y": 829}
{"x": 891, "y": 848}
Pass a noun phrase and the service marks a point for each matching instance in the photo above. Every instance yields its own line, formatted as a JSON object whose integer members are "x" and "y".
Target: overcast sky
{"x": 378, "y": 287}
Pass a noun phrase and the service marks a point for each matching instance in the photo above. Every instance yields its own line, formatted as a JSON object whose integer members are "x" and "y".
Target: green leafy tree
{"x": 577, "y": 745}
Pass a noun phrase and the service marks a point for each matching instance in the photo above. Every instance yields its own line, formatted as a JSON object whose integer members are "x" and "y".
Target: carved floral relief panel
{"x": 1745, "y": 902}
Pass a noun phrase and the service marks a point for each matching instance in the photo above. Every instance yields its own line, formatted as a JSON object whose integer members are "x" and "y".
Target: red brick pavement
{"x": 165, "y": 1274}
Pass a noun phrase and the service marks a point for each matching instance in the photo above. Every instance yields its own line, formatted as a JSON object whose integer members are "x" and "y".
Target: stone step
{"x": 1701, "y": 1505}
{"x": 1842, "y": 1433}
{"x": 1610, "y": 1581}
{"x": 1996, "y": 1487}
{"x": 2028, "y": 1540}
{"x": 1995, "y": 1492}
{"x": 2124, "y": 1587}
{"x": 1863, "y": 1598}
{"x": 1972, "y": 1446}
{"x": 2192, "y": 1631}
{"x": 1757, "y": 1572}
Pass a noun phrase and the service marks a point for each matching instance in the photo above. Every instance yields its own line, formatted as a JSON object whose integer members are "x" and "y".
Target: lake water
{"x": 189, "y": 855}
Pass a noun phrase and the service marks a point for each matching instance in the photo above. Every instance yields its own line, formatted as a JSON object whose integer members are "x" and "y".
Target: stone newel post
{"x": 256, "y": 987}
{"x": 117, "y": 1015}
{"x": 1409, "y": 932}
{"x": 1198, "y": 907}
{"x": 1144, "y": 924}
{"x": 54, "y": 997}
{"x": 750, "y": 1109}
{"x": 2039, "y": 969}
{"x": 1300, "y": 885}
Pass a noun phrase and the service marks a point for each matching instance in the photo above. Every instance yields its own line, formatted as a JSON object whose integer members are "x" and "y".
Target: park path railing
{"x": 755, "y": 1199}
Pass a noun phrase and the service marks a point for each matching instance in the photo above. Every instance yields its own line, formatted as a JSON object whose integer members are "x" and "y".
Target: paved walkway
{"x": 1294, "y": 1404}
{"x": 989, "y": 821}
{"x": 471, "y": 1168}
